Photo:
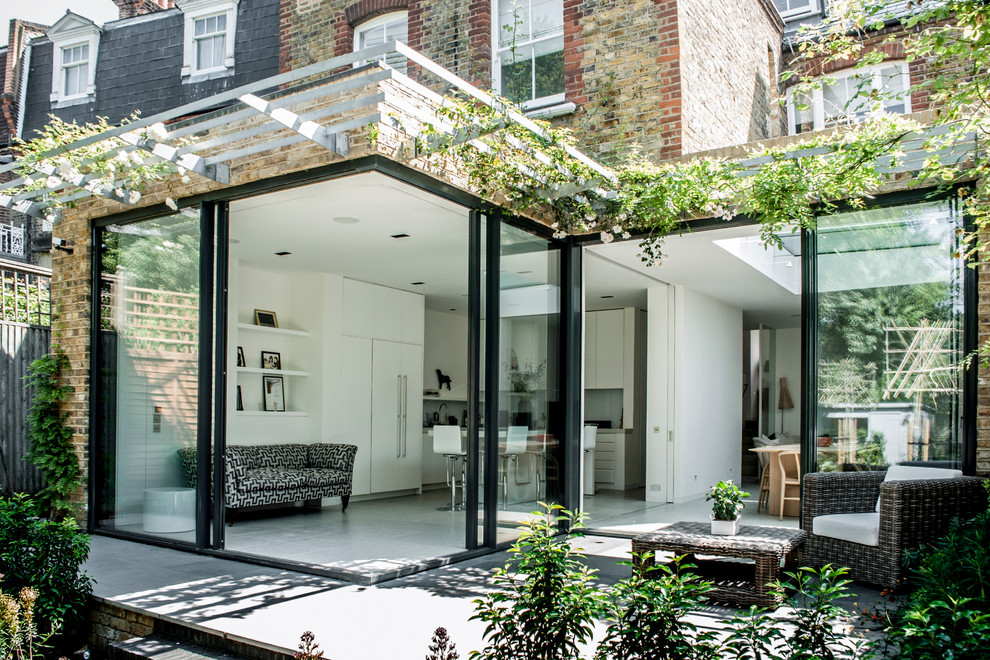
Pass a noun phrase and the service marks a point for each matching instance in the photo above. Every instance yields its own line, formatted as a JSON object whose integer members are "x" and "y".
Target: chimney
{"x": 132, "y": 8}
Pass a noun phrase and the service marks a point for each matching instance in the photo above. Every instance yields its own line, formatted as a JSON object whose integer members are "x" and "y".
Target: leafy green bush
{"x": 649, "y": 620}
{"x": 947, "y": 613}
{"x": 544, "y": 603}
{"x": 47, "y": 556}
{"x": 51, "y": 440}
{"x": 755, "y": 635}
{"x": 816, "y": 615}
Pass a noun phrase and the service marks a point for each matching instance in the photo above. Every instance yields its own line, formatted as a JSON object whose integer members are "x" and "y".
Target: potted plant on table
{"x": 727, "y": 505}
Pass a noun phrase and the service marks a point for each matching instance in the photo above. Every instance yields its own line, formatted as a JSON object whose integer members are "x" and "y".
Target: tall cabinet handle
{"x": 405, "y": 414}
{"x": 398, "y": 416}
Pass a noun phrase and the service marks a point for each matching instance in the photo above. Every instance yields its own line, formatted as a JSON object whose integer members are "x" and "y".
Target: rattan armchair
{"x": 911, "y": 513}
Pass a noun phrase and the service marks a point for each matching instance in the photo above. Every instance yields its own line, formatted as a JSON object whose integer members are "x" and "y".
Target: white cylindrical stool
{"x": 590, "y": 440}
{"x": 169, "y": 510}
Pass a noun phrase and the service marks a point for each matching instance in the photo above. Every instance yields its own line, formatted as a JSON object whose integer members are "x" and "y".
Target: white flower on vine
{"x": 134, "y": 197}
{"x": 122, "y": 157}
{"x": 136, "y": 158}
{"x": 28, "y": 181}
{"x": 181, "y": 170}
{"x": 53, "y": 182}
{"x": 560, "y": 234}
{"x": 617, "y": 229}
{"x": 169, "y": 202}
{"x": 626, "y": 235}
{"x": 607, "y": 237}
{"x": 185, "y": 178}
{"x": 158, "y": 131}
{"x": 50, "y": 217}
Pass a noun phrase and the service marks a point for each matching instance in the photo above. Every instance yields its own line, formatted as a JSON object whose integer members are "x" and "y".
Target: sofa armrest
{"x": 336, "y": 456}
{"x": 827, "y": 493}
{"x": 920, "y": 510}
{"x": 187, "y": 457}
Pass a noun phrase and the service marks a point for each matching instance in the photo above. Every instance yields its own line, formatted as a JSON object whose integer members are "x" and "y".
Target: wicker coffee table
{"x": 735, "y": 583}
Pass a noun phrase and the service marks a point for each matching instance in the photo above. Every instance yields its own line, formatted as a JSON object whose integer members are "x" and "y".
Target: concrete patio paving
{"x": 271, "y": 608}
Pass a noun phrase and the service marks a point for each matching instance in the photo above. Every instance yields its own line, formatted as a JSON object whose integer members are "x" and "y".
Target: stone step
{"x": 159, "y": 647}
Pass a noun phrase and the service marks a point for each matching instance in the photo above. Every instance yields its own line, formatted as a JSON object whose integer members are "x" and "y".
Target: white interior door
{"x": 659, "y": 420}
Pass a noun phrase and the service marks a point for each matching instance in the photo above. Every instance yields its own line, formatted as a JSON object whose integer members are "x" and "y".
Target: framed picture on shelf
{"x": 240, "y": 357}
{"x": 274, "y": 393}
{"x": 265, "y": 318}
{"x": 271, "y": 360}
{"x": 240, "y": 401}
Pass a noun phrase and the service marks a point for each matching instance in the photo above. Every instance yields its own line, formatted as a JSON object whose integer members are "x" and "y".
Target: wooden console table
{"x": 735, "y": 583}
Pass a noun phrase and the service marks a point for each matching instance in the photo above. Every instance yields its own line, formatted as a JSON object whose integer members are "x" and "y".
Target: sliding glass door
{"x": 890, "y": 309}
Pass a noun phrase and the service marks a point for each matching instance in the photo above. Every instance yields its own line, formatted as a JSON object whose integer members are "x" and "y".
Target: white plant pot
{"x": 725, "y": 527}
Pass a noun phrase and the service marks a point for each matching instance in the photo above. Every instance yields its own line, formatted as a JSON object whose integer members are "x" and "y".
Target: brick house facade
{"x": 633, "y": 71}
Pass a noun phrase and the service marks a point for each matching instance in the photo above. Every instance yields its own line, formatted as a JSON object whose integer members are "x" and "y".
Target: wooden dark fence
{"x": 25, "y": 335}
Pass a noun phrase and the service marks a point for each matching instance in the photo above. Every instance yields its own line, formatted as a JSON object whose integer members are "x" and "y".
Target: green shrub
{"x": 544, "y": 603}
{"x": 51, "y": 440}
{"x": 648, "y": 616}
{"x": 947, "y": 612}
{"x": 46, "y": 556}
{"x": 755, "y": 635}
{"x": 812, "y": 595}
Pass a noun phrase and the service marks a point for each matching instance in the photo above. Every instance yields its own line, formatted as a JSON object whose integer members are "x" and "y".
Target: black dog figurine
{"x": 444, "y": 380}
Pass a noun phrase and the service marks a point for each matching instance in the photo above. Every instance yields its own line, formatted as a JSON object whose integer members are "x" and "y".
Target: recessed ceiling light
{"x": 603, "y": 297}
{"x": 400, "y": 235}
{"x": 453, "y": 309}
{"x": 283, "y": 253}
{"x": 418, "y": 283}
{"x": 524, "y": 272}
{"x": 233, "y": 241}
{"x": 346, "y": 220}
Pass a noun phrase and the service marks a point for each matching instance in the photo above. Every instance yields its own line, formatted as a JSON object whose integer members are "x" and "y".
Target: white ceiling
{"x": 695, "y": 261}
{"x": 301, "y": 221}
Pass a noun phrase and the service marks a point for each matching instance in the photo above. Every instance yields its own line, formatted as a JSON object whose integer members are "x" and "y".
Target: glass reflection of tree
{"x": 907, "y": 251}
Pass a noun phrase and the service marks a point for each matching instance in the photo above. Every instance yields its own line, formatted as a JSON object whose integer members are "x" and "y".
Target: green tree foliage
{"x": 544, "y": 602}
{"x": 51, "y": 439}
{"x": 46, "y": 556}
{"x": 648, "y": 616}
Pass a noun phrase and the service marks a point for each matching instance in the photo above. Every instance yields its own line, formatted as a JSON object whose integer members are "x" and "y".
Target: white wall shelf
{"x": 273, "y": 331}
{"x": 271, "y": 372}
{"x": 270, "y": 413}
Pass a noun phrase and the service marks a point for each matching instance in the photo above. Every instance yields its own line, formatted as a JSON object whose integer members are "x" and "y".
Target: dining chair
{"x": 789, "y": 476}
{"x": 447, "y": 443}
{"x": 764, "y": 498}
{"x": 515, "y": 444}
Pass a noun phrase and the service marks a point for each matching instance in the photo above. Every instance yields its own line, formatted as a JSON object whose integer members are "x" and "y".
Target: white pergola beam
{"x": 310, "y": 130}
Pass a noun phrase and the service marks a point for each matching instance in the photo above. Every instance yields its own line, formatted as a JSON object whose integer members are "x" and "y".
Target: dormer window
{"x": 209, "y": 38}
{"x": 75, "y": 69}
{"x": 210, "y": 35}
{"x": 75, "y": 42}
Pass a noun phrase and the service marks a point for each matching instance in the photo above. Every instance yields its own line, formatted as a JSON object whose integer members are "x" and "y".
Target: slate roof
{"x": 139, "y": 62}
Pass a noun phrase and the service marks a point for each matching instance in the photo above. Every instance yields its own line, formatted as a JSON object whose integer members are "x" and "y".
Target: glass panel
{"x": 890, "y": 306}
{"x": 149, "y": 372}
{"x": 373, "y": 37}
{"x": 72, "y": 80}
{"x": 204, "y": 54}
{"x": 517, "y": 74}
{"x": 549, "y": 67}
{"x": 529, "y": 340}
{"x": 513, "y": 22}
{"x": 397, "y": 30}
{"x": 548, "y": 18}
{"x": 221, "y": 22}
{"x": 200, "y": 27}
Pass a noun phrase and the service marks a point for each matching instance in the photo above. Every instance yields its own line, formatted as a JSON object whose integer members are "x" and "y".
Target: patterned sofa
{"x": 280, "y": 474}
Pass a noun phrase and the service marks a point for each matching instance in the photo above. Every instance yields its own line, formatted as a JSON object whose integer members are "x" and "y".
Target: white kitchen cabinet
{"x": 388, "y": 313}
{"x": 356, "y": 384}
{"x": 359, "y": 308}
{"x": 590, "y": 350}
{"x": 619, "y": 459}
{"x": 609, "y": 341}
{"x": 396, "y": 413}
{"x": 413, "y": 320}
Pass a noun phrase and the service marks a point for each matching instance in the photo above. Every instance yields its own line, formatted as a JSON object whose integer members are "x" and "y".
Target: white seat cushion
{"x": 914, "y": 473}
{"x": 861, "y": 528}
